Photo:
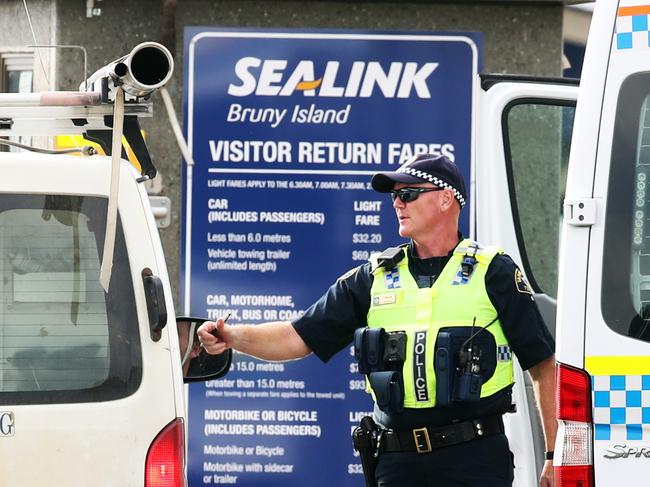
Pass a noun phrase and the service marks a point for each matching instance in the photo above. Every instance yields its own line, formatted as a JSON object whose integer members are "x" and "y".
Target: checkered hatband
{"x": 432, "y": 179}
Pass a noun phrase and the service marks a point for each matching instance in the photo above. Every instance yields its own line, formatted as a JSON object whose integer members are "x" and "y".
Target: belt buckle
{"x": 422, "y": 441}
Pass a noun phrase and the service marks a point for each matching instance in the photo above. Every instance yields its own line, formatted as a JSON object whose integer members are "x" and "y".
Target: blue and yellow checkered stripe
{"x": 621, "y": 407}
{"x": 632, "y": 27}
{"x": 621, "y": 397}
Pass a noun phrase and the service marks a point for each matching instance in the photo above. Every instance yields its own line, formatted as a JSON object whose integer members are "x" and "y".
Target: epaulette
{"x": 389, "y": 258}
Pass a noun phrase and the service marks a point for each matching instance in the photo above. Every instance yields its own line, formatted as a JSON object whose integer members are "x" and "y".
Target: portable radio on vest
{"x": 468, "y": 384}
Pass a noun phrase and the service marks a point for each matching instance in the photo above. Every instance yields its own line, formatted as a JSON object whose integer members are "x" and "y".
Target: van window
{"x": 537, "y": 139}
{"x": 62, "y": 339}
{"x": 626, "y": 256}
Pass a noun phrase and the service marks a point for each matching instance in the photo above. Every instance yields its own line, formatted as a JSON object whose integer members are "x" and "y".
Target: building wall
{"x": 518, "y": 38}
{"x": 16, "y": 36}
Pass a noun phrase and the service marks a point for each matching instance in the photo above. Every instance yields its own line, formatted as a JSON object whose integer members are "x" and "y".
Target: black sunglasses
{"x": 406, "y": 195}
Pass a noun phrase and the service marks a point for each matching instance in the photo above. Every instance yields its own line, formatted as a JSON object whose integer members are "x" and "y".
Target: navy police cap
{"x": 424, "y": 168}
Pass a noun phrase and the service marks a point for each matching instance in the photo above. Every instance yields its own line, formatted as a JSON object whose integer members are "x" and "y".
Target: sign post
{"x": 286, "y": 129}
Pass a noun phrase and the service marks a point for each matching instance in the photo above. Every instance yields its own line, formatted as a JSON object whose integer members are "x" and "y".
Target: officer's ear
{"x": 447, "y": 200}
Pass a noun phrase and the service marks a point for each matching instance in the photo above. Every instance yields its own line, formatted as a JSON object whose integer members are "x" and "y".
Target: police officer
{"x": 441, "y": 295}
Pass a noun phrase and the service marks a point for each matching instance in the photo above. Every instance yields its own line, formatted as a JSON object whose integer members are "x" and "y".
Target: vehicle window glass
{"x": 538, "y": 138}
{"x": 62, "y": 338}
{"x": 626, "y": 254}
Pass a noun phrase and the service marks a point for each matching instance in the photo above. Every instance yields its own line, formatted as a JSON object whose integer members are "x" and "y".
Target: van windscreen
{"x": 626, "y": 257}
{"x": 62, "y": 338}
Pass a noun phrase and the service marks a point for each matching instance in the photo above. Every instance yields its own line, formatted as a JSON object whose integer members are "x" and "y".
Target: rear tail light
{"x": 575, "y": 476}
{"x": 573, "y": 448}
{"x": 574, "y": 394}
{"x": 576, "y": 441}
{"x": 165, "y": 466}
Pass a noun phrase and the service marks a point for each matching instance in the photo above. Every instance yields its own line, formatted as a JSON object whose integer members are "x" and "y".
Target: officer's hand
{"x": 546, "y": 479}
{"x": 215, "y": 336}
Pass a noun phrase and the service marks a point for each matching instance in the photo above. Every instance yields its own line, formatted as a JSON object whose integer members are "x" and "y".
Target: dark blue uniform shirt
{"x": 329, "y": 324}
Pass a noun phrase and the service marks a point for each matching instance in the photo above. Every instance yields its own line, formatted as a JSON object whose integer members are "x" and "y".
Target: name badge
{"x": 383, "y": 299}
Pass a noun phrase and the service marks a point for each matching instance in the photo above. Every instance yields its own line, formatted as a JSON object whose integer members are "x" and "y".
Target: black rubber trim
{"x": 490, "y": 80}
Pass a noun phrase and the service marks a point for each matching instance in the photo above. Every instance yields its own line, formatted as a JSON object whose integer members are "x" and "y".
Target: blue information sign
{"x": 286, "y": 129}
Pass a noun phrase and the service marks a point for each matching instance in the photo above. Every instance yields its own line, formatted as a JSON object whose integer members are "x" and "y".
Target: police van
{"x": 603, "y": 319}
{"x": 92, "y": 359}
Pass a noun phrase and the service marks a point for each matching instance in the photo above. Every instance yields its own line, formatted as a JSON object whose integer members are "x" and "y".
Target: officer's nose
{"x": 398, "y": 203}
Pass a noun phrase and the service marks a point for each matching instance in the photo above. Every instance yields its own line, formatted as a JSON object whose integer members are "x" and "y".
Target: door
{"x": 84, "y": 389}
{"x": 523, "y": 139}
{"x": 614, "y": 130}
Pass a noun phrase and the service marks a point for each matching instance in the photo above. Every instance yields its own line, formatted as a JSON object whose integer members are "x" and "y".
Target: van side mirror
{"x": 198, "y": 365}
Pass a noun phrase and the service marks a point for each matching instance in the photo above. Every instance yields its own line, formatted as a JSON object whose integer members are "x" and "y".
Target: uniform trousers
{"x": 484, "y": 462}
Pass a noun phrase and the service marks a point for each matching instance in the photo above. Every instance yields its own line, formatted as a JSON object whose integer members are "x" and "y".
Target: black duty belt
{"x": 426, "y": 439}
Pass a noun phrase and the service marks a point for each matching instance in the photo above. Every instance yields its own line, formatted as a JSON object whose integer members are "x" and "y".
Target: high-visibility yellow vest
{"x": 397, "y": 304}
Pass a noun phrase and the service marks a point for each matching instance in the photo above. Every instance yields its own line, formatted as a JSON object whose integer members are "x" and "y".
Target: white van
{"x": 91, "y": 381}
{"x": 604, "y": 288}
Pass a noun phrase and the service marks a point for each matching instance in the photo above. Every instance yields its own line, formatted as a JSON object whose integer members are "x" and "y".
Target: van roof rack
{"x": 137, "y": 75}
{"x": 75, "y": 113}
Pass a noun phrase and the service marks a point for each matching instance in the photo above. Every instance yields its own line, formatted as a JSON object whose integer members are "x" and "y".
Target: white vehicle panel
{"x": 94, "y": 443}
{"x": 575, "y": 240}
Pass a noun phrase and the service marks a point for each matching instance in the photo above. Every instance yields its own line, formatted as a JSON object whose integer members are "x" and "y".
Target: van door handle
{"x": 154, "y": 293}
{"x": 580, "y": 212}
